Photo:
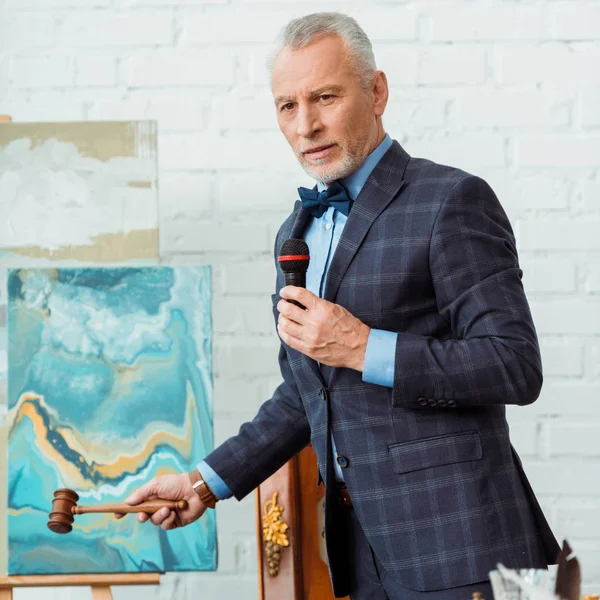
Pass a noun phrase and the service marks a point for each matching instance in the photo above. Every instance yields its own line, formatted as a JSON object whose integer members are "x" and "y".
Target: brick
{"x": 548, "y": 275}
{"x": 574, "y": 439}
{"x": 185, "y": 195}
{"x": 590, "y": 108}
{"x": 524, "y": 437}
{"x": 562, "y": 358}
{"x": 590, "y": 196}
{"x": 42, "y": 72}
{"x": 592, "y": 360}
{"x": 248, "y": 315}
{"x": 207, "y": 67}
{"x": 37, "y": 110}
{"x": 578, "y": 516}
{"x": 592, "y": 283}
{"x": 246, "y": 190}
{"x": 512, "y": 109}
{"x": 567, "y": 21}
{"x": 409, "y": 115}
{"x": 249, "y": 278}
{"x": 105, "y": 29}
{"x": 229, "y": 25}
{"x": 50, "y": 4}
{"x": 451, "y": 64}
{"x": 188, "y": 236}
{"x": 561, "y": 398}
{"x": 233, "y": 397}
{"x": 398, "y": 61}
{"x": 22, "y": 31}
{"x": 253, "y": 359}
{"x": 247, "y": 110}
{"x": 552, "y": 63}
{"x": 96, "y": 71}
{"x": 466, "y": 151}
{"x": 559, "y": 233}
{"x": 118, "y": 109}
{"x": 387, "y": 23}
{"x": 175, "y": 111}
{"x": 470, "y": 22}
{"x": 557, "y": 315}
{"x": 574, "y": 477}
{"x": 252, "y": 67}
{"x": 238, "y": 151}
{"x": 182, "y": 3}
{"x": 558, "y": 150}
{"x": 538, "y": 192}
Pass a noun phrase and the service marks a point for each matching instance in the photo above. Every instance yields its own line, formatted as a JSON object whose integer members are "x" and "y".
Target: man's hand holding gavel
{"x": 168, "y": 487}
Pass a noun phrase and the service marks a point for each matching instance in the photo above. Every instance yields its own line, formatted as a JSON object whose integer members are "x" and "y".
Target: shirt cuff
{"x": 219, "y": 488}
{"x": 380, "y": 358}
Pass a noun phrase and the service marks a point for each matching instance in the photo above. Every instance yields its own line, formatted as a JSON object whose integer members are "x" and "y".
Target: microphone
{"x": 294, "y": 259}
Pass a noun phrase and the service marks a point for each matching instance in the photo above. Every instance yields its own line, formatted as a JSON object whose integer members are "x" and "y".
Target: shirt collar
{"x": 357, "y": 180}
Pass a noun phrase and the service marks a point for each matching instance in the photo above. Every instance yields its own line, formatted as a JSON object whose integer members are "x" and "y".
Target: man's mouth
{"x": 318, "y": 151}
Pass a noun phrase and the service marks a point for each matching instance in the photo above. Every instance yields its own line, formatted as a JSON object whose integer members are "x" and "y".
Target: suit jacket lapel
{"x": 301, "y": 223}
{"x": 380, "y": 189}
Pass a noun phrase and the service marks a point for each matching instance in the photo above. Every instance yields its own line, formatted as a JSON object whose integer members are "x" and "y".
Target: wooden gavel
{"x": 64, "y": 506}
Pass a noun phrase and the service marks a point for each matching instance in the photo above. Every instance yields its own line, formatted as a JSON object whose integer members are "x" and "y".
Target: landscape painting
{"x": 109, "y": 384}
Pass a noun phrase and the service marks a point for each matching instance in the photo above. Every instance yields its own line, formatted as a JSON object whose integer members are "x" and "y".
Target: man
{"x": 416, "y": 334}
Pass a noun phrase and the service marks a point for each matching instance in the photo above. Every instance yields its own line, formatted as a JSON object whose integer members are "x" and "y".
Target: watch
{"x": 201, "y": 488}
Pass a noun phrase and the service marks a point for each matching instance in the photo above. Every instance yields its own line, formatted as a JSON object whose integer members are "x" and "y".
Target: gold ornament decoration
{"x": 274, "y": 534}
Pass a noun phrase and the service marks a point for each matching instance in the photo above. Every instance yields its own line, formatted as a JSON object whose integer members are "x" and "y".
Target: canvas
{"x": 85, "y": 191}
{"x": 109, "y": 384}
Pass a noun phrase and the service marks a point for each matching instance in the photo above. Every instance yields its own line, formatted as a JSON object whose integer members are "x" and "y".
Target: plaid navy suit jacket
{"x": 440, "y": 493}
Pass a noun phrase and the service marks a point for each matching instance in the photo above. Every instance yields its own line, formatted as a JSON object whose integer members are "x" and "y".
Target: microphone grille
{"x": 290, "y": 248}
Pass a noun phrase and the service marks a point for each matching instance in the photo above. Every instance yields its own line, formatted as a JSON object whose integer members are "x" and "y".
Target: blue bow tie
{"x": 317, "y": 203}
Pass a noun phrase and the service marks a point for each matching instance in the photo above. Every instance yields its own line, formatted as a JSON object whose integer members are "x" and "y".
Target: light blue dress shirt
{"x": 322, "y": 237}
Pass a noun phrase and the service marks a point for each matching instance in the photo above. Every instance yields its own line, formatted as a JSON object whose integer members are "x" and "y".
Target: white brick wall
{"x": 508, "y": 90}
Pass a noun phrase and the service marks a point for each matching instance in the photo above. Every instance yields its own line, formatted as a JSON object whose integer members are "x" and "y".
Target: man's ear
{"x": 380, "y": 93}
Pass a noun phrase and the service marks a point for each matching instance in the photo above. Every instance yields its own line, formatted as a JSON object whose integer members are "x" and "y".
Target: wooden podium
{"x": 289, "y": 521}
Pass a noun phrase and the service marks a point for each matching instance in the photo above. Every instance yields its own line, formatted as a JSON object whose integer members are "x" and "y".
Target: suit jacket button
{"x": 431, "y": 402}
{"x": 441, "y": 402}
{"x": 451, "y": 403}
{"x": 342, "y": 461}
{"x": 422, "y": 401}
{"x": 323, "y": 393}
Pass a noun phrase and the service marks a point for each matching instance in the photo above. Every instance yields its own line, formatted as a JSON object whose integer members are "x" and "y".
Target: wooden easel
{"x": 99, "y": 583}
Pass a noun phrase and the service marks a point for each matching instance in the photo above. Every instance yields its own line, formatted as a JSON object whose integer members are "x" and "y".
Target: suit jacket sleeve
{"x": 493, "y": 355}
{"x": 278, "y": 432}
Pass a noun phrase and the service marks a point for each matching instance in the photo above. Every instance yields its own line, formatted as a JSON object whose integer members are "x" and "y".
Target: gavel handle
{"x": 151, "y": 506}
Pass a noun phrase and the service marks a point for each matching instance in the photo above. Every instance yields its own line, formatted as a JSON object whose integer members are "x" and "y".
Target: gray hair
{"x": 298, "y": 33}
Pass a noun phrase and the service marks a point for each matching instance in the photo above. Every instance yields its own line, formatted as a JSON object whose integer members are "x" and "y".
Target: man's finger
{"x": 289, "y": 327}
{"x": 292, "y": 312}
{"x": 159, "y": 516}
{"x": 302, "y": 295}
{"x": 169, "y": 522}
{"x": 142, "y": 493}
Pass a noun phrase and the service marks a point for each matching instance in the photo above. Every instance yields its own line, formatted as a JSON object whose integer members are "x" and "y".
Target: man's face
{"x": 322, "y": 110}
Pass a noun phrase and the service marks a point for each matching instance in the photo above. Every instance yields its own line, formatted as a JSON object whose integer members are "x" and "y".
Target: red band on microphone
{"x": 294, "y": 257}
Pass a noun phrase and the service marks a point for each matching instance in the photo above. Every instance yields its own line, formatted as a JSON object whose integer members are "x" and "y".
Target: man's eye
{"x": 326, "y": 97}
{"x": 287, "y": 107}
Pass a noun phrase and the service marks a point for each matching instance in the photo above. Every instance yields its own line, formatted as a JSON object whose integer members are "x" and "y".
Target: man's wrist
{"x": 202, "y": 489}
{"x": 361, "y": 349}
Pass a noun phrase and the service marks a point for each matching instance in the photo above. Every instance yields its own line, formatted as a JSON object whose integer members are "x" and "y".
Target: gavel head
{"x": 61, "y": 515}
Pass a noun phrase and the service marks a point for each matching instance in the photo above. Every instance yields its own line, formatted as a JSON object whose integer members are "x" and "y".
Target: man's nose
{"x": 308, "y": 122}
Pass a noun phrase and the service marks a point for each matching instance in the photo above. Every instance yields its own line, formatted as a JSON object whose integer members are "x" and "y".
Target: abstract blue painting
{"x": 109, "y": 384}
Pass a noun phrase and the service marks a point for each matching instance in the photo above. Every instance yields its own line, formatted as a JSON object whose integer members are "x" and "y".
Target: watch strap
{"x": 201, "y": 488}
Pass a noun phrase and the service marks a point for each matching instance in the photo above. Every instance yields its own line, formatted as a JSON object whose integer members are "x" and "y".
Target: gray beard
{"x": 348, "y": 165}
